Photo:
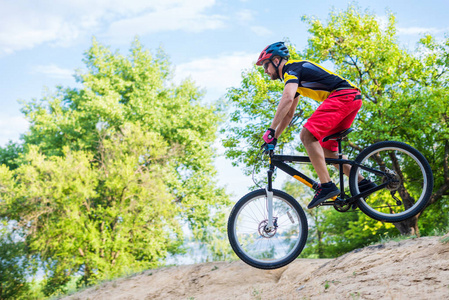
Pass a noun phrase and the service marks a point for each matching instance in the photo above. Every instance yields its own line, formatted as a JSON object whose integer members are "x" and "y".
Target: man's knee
{"x": 306, "y": 136}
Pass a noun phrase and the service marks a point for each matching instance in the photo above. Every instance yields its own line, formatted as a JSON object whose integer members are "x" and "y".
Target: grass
{"x": 397, "y": 238}
{"x": 445, "y": 239}
{"x": 214, "y": 268}
{"x": 327, "y": 283}
{"x": 442, "y": 232}
{"x": 257, "y": 294}
{"x": 384, "y": 239}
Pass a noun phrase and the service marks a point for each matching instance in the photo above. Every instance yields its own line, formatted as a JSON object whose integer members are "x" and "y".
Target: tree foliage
{"x": 111, "y": 171}
{"x": 406, "y": 93}
{"x": 14, "y": 266}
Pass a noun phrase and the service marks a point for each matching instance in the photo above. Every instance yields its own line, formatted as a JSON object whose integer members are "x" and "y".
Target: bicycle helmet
{"x": 276, "y": 49}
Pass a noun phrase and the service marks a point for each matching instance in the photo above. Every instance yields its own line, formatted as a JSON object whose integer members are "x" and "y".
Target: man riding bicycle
{"x": 340, "y": 102}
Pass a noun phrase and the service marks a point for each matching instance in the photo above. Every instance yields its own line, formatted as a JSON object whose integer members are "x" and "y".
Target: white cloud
{"x": 27, "y": 23}
{"x": 218, "y": 73}
{"x": 419, "y": 30}
{"x": 20, "y": 29}
{"x": 383, "y": 21}
{"x": 245, "y": 15}
{"x": 53, "y": 71}
{"x": 261, "y": 31}
{"x": 183, "y": 16}
{"x": 414, "y": 30}
{"x": 11, "y": 127}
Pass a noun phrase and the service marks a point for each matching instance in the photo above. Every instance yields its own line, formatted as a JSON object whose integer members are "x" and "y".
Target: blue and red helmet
{"x": 276, "y": 49}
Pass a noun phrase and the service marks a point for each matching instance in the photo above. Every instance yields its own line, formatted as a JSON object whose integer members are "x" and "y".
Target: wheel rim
{"x": 407, "y": 181}
{"x": 257, "y": 242}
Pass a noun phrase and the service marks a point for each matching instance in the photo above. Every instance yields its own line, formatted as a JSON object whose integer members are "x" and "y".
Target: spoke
{"x": 400, "y": 165}
{"x": 260, "y": 207}
{"x": 256, "y": 221}
{"x": 242, "y": 226}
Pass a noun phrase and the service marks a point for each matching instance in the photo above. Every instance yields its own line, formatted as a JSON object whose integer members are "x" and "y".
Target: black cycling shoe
{"x": 364, "y": 185}
{"x": 326, "y": 191}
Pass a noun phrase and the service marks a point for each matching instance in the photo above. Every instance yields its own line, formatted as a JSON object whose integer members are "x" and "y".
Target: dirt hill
{"x": 411, "y": 269}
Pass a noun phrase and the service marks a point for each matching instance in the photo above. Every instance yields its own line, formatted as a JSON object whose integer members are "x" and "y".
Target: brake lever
{"x": 268, "y": 148}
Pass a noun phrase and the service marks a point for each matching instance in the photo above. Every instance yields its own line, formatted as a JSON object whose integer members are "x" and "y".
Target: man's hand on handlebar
{"x": 269, "y": 146}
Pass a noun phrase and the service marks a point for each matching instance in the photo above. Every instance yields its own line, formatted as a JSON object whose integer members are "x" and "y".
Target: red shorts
{"x": 335, "y": 114}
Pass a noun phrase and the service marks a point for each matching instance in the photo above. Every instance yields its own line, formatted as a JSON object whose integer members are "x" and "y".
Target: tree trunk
{"x": 408, "y": 227}
{"x": 320, "y": 244}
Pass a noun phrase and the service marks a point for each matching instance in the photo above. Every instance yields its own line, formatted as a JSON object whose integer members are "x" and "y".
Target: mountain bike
{"x": 267, "y": 228}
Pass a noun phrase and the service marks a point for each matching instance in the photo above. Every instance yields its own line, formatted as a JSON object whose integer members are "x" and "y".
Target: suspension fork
{"x": 269, "y": 191}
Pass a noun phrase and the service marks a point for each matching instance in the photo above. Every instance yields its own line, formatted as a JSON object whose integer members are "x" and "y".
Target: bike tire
{"x": 410, "y": 186}
{"x": 267, "y": 250}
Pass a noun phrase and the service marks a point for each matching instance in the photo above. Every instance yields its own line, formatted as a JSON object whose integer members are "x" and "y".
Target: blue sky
{"x": 42, "y": 41}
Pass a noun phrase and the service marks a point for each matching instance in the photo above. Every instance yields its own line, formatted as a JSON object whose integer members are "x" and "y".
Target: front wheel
{"x": 405, "y": 174}
{"x": 260, "y": 246}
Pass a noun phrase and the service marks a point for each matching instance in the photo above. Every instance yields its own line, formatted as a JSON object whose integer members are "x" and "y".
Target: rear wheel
{"x": 254, "y": 242}
{"x": 407, "y": 177}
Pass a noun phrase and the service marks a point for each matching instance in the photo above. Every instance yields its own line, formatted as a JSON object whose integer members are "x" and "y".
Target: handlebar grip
{"x": 267, "y": 148}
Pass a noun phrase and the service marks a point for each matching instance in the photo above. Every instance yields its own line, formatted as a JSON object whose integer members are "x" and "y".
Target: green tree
{"x": 405, "y": 92}
{"x": 110, "y": 171}
{"x": 15, "y": 266}
{"x": 9, "y": 154}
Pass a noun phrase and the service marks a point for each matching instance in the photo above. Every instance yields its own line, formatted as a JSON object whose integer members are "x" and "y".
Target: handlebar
{"x": 268, "y": 149}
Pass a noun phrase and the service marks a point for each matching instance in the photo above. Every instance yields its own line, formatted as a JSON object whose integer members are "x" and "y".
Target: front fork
{"x": 269, "y": 191}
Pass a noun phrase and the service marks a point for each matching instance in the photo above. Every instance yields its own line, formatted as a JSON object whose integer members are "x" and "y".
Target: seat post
{"x": 340, "y": 150}
{"x": 340, "y": 168}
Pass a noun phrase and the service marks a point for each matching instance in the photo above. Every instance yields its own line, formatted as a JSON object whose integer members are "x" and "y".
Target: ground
{"x": 411, "y": 269}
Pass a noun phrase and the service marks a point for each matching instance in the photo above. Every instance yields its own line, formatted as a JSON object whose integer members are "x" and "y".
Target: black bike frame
{"x": 279, "y": 161}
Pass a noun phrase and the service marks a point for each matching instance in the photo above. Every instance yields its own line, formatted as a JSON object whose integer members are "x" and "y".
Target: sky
{"x": 42, "y": 43}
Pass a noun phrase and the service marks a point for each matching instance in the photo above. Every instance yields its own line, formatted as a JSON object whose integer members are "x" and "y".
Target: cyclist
{"x": 340, "y": 102}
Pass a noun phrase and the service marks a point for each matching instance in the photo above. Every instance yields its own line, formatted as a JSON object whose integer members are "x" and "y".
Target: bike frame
{"x": 279, "y": 161}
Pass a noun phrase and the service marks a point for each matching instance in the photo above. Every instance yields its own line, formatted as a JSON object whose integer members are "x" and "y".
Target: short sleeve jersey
{"x": 313, "y": 80}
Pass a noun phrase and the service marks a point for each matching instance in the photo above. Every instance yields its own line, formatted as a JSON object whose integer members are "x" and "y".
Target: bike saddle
{"x": 339, "y": 135}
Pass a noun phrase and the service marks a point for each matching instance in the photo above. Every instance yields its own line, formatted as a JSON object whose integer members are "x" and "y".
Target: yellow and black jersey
{"x": 313, "y": 80}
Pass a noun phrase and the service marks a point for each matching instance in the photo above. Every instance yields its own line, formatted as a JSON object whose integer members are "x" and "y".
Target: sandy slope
{"x": 412, "y": 269}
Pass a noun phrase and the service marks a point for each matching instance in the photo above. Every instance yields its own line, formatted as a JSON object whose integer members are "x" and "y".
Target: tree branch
{"x": 354, "y": 146}
{"x": 354, "y": 63}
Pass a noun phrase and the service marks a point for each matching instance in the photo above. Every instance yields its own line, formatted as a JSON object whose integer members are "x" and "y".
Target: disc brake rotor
{"x": 266, "y": 232}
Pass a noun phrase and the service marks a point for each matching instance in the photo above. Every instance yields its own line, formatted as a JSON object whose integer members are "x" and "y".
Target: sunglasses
{"x": 265, "y": 65}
